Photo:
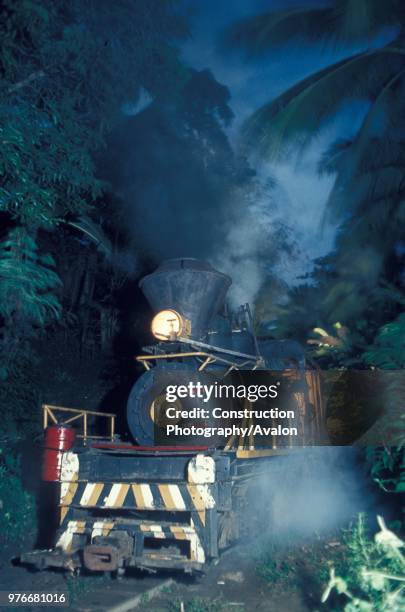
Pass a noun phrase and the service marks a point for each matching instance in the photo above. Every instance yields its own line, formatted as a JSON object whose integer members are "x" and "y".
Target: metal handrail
{"x": 208, "y": 359}
{"x": 49, "y": 415}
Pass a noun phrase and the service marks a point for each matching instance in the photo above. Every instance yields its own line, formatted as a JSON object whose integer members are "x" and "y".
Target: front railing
{"x": 60, "y": 415}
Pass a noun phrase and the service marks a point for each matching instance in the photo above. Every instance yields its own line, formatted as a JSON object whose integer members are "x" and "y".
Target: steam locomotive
{"x": 188, "y": 297}
{"x": 141, "y": 504}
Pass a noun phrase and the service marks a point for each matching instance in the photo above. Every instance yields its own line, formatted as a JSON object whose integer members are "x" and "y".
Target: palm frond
{"x": 262, "y": 32}
{"x": 331, "y": 159}
{"x": 362, "y": 20}
{"x": 344, "y": 22}
{"x": 295, "y": 117}
{"x": 380, "y": 156}
{"x": 88, "y": 227}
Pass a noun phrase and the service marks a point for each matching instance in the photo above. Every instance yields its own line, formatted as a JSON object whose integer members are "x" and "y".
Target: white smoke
{"x": 251, "y": 242}
{"x": 306, "y": 195}
{"x": 277, "y": 229}
{"x": 314, "y": 490}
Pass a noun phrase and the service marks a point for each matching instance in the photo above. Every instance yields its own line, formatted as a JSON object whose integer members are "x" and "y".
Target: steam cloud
{"x": 315, "y": 490}
{"x": 254, "y": 232}
{"x": 278, "y": 232}
{"x": 255, "y": 242}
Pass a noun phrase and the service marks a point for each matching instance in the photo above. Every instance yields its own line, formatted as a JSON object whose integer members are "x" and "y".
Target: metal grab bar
{"x": 49, "y": 415}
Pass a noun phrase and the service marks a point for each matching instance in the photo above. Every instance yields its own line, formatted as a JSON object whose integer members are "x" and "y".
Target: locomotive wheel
{"x": 147, "y": 403}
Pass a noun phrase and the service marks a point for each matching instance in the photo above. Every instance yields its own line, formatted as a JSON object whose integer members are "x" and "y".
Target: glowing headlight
{"x": 167, "y": 325}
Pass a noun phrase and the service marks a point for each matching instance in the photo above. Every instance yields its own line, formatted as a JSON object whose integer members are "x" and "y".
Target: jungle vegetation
{"x": 67, "y": 71}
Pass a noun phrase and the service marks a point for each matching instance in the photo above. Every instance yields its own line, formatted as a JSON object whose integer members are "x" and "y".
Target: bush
{"x": 374, "y": 578}
{"x": 17, "y": 506}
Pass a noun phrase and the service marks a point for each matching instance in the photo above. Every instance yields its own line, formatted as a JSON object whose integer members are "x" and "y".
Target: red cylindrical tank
{"x": 58, "y": 440}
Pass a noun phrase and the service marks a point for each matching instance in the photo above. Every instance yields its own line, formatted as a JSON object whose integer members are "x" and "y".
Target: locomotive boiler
{"x": 144, "y": 504}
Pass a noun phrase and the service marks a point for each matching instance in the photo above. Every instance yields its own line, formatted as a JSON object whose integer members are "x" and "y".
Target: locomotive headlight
{"x": 169, "y": 325}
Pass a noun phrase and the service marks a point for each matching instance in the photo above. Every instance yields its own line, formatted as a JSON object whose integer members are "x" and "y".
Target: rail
{"x": 51, "y": 414}
{"x": 206, "y": 358}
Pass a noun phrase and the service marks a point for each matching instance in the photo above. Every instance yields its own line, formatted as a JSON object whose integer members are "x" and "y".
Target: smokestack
{"x": 191, "y": 287}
